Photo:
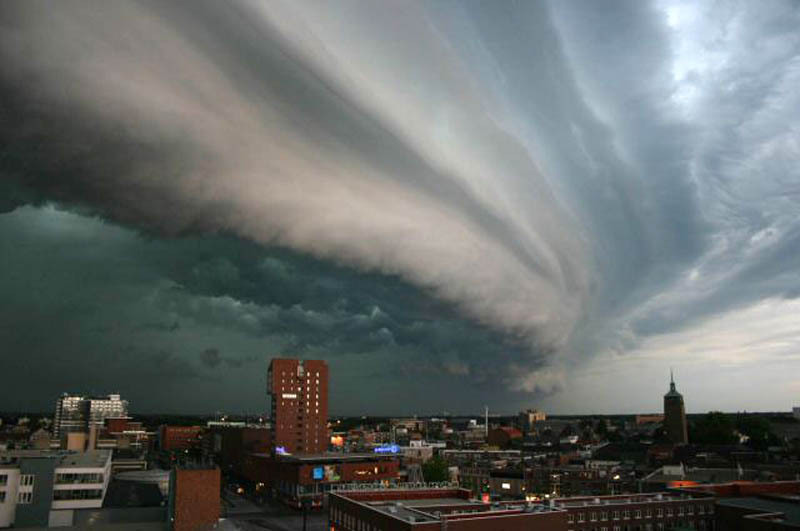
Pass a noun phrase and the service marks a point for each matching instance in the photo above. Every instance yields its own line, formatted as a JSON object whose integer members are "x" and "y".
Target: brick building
{"x": 639, "y": 512}
{"x": 171, "y": 438}
{"x": 675, "y": 426}
{"x": 298, "y": 391}
{"x": 436, "y": 509}
{"x": 194, "y": 499}
{"x": 503, "y": 436}
{"x": 294, "y": 478}
{"x": 230, "y": 444}
{"x": 753, "y": 506}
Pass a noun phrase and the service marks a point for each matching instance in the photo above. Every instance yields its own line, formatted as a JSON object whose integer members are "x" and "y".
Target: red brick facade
{"x": 298, "y": 391}
{"x": 195, "y": 499}
{"x": 179, "y": 437}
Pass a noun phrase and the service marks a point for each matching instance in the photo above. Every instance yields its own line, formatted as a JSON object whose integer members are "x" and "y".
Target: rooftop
{"x": 438, "y": 506}
{"x": 327, "y": 457}
{"x": 622, "y": 500}
{"x": 789, "y": 506}
{"x": 66, "y": 459}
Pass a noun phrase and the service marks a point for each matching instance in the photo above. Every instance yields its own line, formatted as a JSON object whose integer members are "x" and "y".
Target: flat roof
{"x": 597, "y": 501}
{"x": 788, "y": 505}
{"x": 66, "y": 459}
{"x": 88, "y": 459}
{"x": 420, "y": 508}
{"x": 328, "y": 457}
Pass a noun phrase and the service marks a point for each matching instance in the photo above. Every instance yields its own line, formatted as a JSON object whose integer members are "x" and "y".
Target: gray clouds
{"x": 557, "y": 181}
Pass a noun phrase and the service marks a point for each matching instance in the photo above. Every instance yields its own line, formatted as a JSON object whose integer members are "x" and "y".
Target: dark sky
{"x": 454, "y": 203}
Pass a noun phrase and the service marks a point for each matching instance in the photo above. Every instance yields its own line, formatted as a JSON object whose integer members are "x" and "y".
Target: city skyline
{"x": 545, "y": 204}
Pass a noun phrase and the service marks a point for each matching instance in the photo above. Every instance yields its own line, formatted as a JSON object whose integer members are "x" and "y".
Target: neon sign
{"x": 387, "y": 449}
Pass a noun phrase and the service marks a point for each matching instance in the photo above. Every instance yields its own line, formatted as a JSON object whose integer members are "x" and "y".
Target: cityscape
{"x": 400, "y": 265}
{"x": 92, "y": 463}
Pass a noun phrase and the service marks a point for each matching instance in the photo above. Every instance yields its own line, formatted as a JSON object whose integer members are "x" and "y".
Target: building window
{"x": 78, "y": 494}
{"x": 638, "y": 514}
{"x": 570, "y": 518}
{"x": 26, "y": 480}
{"x": 2, "y": 496}
{"x": 3, "y": 479}
{"x": 669, "y": 511}
{"x": 25, "y": 497}
{"x": 626, "y": 514}
{"x": 648, "y": 513}
{"x": 603, "y": 516}
{"x": 659, "y": 512}
{"x": 690, "y": 510}
{"x": 616, "y": 516}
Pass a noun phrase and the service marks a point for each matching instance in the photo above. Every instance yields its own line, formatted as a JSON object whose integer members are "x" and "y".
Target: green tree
{"x": 435, "y": 469}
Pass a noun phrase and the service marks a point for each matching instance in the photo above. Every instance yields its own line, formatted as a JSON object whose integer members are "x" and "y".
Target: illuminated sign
{"x": 281, "y": 450}
{"x": 387, "y": 449}
{"x": 318, "y": 473}
{"x": 289, "y": 395}
{"x": 506, "y": 486}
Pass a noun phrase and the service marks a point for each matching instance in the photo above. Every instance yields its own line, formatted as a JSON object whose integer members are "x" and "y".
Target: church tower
{"x": 675, "y": 415}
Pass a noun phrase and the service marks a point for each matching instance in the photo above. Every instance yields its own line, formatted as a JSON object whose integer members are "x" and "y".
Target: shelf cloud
{"x": 569, "y": 179}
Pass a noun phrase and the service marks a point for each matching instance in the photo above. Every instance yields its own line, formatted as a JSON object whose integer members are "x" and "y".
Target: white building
{"x": 44, "y": 488}
{"x": 78, "y": 412}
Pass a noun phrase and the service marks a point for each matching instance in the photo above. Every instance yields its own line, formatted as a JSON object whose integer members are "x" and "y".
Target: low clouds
{"x": 497, "y": 193}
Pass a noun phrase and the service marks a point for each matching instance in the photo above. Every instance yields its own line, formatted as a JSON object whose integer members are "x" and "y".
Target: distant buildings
{"x": 796, "y": 412}
{"x": 503, "y": 436}
{"x": 171, "y": 438}
{"x": 528, "y": 418}
{"x": 76, "y": 413}
{"x": 675, "y": 416}
{"x": 298, "y": 391}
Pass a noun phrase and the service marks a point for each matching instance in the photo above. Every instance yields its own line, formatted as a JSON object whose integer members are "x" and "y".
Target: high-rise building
{"x": 675, "y": 415}
{"x": 75, "y": 413}
{"x": 298, "y": 391}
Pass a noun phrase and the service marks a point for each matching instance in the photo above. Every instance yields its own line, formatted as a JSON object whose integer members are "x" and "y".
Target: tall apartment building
{"x": 298, "y": 391}
{"x": 77, "y": 412}
{"x": 675, "y": 415}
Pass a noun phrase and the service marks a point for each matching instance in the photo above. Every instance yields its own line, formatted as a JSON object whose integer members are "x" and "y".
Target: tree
{"x": 713, "y": 428}
{"x": 435, "y": 469}
{"x": 759, "y": 431}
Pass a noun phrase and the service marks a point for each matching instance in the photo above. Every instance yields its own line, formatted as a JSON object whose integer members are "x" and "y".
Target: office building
{"x": 649, "y": 511}
{"x": 43, "y": 488}
{"x": 436, "y": 508}
{"x": 528, "y": 418}
{"x": 76, "y": 413}
{"x": 294, "y": 479}
{"x": 675, "y": 427}
{"x": 298, "y": 391}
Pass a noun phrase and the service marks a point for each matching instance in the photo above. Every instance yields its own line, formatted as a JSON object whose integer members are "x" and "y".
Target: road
{"x": 244, "y": 514}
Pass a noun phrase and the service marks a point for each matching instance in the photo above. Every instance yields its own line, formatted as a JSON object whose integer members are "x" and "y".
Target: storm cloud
{"x": 505, "y": 194}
